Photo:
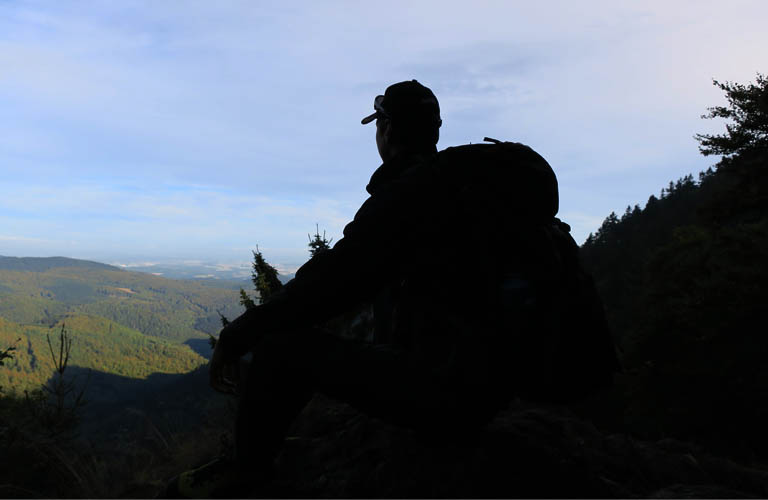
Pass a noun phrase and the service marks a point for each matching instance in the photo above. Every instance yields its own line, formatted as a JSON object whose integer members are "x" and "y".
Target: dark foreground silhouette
{"x": 527, "y": 451}
{"x": 450, "y": 350}
{"x": 333, "y": 450}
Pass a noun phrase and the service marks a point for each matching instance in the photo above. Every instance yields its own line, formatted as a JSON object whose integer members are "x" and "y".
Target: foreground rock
{"x": 526, "y": 452}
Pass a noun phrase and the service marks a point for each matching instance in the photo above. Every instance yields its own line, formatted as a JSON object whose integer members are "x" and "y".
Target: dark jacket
{"x": 387, "y": 241}
{"x": 434, "y": 247}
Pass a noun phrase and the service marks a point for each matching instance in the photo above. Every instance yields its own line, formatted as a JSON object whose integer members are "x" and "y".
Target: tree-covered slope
{"x": 174, "y": 310}
{"x": 124, "y": 324}
{"x": 685, "y": 283}
{"x": 40, "y": 264}
{"x": 98, "y": 344}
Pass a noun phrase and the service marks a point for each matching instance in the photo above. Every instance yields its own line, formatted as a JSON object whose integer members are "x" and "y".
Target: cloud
{"x": 24, "y": 239}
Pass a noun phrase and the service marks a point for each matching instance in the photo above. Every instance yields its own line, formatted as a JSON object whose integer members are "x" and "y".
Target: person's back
{"x": 494, "y": 295}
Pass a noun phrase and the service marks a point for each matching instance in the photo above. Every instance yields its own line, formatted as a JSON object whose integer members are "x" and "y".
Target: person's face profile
{"x": 381, "y": 139}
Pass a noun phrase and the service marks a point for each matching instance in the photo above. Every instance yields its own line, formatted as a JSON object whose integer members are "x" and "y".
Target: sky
{"x": 146, "y": 131}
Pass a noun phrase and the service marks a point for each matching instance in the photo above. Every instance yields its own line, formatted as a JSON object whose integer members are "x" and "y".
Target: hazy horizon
{"x": 234, "y": 269}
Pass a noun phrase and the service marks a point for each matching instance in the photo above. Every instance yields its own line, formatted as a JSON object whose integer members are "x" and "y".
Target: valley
{"x": 123, "y": 323}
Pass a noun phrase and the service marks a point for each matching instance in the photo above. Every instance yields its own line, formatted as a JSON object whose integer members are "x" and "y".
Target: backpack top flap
{"x": 511, "y": 172}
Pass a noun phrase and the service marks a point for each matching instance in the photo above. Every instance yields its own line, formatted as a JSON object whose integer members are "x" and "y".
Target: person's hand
{"x": 224, "y": 374}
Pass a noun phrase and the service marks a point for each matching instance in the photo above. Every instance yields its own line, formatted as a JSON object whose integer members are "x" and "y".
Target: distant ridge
{"x": 41, "y": 264}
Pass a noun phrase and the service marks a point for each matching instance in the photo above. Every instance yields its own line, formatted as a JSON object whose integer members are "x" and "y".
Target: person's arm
{"x": 371, "y": 254}
{"x": 224, "y": 374}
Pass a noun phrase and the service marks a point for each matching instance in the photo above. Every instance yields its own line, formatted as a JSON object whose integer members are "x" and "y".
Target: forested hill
{"x": 44, "y": 291}
{"x": 123, "y": 323}
{"x": 694, "y": 233}
{"x": 696, "y": 251}
{"x": 40, "y": 264}
{"x": 685, "y": 283}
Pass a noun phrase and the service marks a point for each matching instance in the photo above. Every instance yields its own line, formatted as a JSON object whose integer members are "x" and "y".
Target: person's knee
{"x": 289, "y": 351}
{"x": 277, "y": 349}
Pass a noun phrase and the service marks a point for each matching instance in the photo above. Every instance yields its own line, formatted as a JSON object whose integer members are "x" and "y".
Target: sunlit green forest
{"x": 129, "y": 389}
{"x": 100, "y": 344}
{"x": 123, "y": 323}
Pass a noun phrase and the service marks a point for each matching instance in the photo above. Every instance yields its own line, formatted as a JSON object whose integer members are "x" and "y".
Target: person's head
{"x": 407, "y": 119}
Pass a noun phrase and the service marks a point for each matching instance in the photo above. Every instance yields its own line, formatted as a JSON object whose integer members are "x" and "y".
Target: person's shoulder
{"x": 418, "y": 167}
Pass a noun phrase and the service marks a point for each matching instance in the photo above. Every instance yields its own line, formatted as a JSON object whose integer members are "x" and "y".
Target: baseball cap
{"x": 408, "y": 100}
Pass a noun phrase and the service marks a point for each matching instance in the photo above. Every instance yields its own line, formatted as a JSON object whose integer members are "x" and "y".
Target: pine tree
{"x": 317, "y": 243}
{"x": 246, "y": 301}
{"x": 264, "y": 277}
{"x": 627, "y": 213}
{"x": 652, "y": 202}
{"x": 747, "y": 110}
{"x": 265, "y": 280}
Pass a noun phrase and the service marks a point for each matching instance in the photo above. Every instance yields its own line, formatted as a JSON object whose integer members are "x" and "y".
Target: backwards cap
{"x": 408, "y": 100}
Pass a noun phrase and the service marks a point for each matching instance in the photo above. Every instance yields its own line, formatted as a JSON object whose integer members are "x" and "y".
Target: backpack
{"x": 552, "y": 340}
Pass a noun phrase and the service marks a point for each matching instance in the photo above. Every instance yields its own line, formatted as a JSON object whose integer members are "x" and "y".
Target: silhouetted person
{"x": 473, "y": 281}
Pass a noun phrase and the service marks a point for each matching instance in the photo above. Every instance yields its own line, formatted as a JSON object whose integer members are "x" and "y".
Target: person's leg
{"x": 273, "y": 393}
{"x": 288, "y": 368}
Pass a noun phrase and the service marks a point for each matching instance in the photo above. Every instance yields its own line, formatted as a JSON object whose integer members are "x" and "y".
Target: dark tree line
{"x": 685, "y": 283}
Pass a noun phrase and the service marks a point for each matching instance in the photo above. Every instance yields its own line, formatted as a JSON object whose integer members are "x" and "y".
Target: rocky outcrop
{"x": 527, "y": 451}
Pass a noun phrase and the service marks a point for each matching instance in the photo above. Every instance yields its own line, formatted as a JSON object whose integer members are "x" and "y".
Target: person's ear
{"x": 387, "y": 130}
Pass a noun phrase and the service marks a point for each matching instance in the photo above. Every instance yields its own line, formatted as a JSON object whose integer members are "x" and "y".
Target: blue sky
{"x": 195, "y": 130}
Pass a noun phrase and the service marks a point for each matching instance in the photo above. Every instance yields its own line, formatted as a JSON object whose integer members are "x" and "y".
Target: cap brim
{"x": 368, "y": 119}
